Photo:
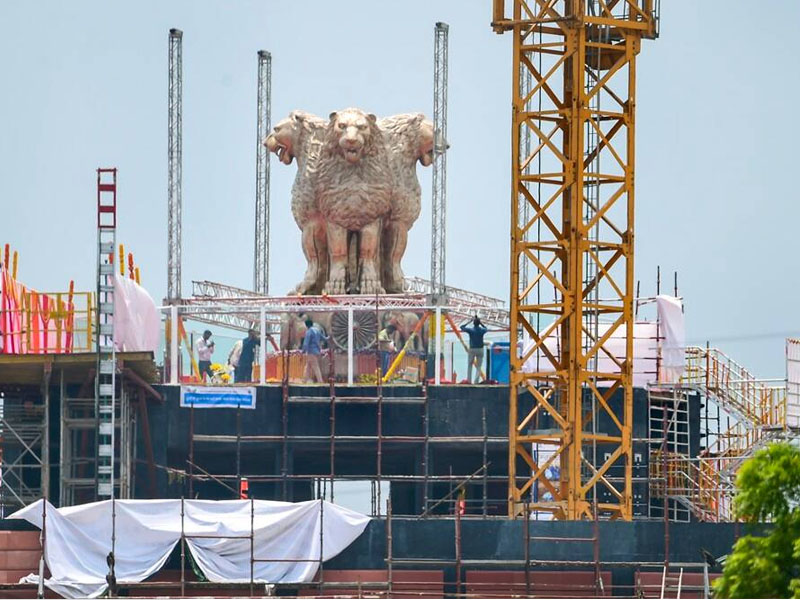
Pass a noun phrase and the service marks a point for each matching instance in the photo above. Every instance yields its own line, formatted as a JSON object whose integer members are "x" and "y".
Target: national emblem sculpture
{"x": 355, "y": 196}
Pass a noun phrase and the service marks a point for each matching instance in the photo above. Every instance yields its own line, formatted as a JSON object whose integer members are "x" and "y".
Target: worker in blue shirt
{"x": 311, "y": 349}
{"x": 244, "y": 372}
{"x": 475, "y": 352}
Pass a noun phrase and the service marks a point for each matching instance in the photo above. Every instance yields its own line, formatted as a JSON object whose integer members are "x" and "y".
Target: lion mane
{"x": 353, "y": 195}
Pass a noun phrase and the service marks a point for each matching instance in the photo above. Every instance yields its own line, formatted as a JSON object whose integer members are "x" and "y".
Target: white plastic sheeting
{"x": 645, "y": 347}
{"x": 673, "y": 338}
{"x": 136, "y": 319}
{"x": 645, "y": 352}
{"x": 793, "y": 382}
{"x": 78, "y": 539}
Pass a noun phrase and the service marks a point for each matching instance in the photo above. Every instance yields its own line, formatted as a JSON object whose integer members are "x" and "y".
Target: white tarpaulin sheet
{"x": 793, "y": 383}
{"x": 645, "y": 352}
{"x": 136, "y": 320}
{"x": 78, "y": 539}
{"x": 673, "y": 336}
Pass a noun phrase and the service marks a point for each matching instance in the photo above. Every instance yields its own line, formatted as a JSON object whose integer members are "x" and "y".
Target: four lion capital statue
{"x": 355, "y": 195}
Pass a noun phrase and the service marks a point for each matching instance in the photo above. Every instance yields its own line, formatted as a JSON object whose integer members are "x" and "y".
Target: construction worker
{"x": 234, "y": 356}
{"x": 244, "y": 372}
{"x": 475, "y": 352}
{"x": 312, "y": 351}
{"x": 386, "y": 346}
{"x": 205, "y": 349}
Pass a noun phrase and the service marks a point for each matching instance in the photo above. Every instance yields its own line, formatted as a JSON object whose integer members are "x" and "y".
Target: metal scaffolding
{"x": 77, "y": 457}
{"x": 261, "y": 259}
{"x": 561, "y": 45}
{"x": 175, "y": 163}
{"x": 25, "y": 443}
{"x": 439, "y": 196}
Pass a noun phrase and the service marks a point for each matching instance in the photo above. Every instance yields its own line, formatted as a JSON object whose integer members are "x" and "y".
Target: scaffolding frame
{"x": 479, "y": 480}
{"x": 25, "y": 437}
{"x": 78, "y": 458}
{"x": 395, "y": 586}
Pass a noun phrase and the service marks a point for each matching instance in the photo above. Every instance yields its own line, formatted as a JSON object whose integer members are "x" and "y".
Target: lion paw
{"x": 335, "y": 286}
{"x": 371, "y": 286}
{"x": 302, "y": 288}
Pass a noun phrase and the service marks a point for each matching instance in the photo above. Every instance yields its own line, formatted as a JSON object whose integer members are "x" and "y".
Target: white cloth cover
{"x": 793, "y": 382}
{"x": 136, "y": 319}
{"x": 673, "y": 336}
{"x": 78, "y": 539}
{"x": 645, "y": 352}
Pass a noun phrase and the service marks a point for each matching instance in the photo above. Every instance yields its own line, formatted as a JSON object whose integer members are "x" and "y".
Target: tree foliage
{"x": 768, "y": 490}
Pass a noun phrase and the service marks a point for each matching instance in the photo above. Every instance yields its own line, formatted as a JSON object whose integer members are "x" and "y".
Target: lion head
{"x": 351, "y": 133}
{"x": 411, "y": 135}
{"x": 424, "y": 141}
{"x": 286, "y": 139}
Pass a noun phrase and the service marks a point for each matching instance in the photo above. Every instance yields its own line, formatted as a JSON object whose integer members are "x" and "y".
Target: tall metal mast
{"x": 439, "y": 196}
{"x": 261, "y": 260}
{"x": 175, "y": 162}
{"x": 577, "y": 237}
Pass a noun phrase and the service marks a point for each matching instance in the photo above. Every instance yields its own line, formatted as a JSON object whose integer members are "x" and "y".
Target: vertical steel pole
{"x": 252, "y": 543}
{"x": 438, "y": 346}
{"x": 262, "y": 375}
{"x": 183, "y": 552}
{"x": 173, "y": 345}
{"x": 349, "y": 346}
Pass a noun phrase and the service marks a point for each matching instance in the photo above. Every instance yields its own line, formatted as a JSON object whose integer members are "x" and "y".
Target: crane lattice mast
{"x": 175, "y": 162}
{"x": 571, "y": 399}
{"x": 261, "y": 260}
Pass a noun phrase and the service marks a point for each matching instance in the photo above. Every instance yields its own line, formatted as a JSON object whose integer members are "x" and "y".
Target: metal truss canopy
{"x": 238, "y": 308}
{"x": 572, "y": 242}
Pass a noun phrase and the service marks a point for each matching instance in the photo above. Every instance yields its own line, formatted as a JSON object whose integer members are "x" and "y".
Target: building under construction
{"x": 597, "y": 458}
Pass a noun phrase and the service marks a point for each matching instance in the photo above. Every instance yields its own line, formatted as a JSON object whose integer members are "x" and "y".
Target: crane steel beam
{"x": 439, "y": 195}
{"x": 563, "y": 411}
{"x": 174, "y": 163}
{"x": 264, "y": 104}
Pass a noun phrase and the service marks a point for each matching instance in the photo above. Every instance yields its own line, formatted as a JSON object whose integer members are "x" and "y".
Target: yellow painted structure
{"x": 572, "y": 219}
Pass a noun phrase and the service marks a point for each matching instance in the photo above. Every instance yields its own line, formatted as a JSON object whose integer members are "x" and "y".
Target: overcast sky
{"x": 84, "y": 85}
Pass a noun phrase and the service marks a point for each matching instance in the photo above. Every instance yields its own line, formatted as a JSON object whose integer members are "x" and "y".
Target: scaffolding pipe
{"x": 262, "y": 372}
{"x": 173, "y": 345}
{"x": 350, "y": 346}
{"x": 438, "y": 345}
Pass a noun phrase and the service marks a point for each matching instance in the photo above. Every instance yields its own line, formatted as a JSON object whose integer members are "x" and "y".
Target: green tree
{"x": 768, "y": 490}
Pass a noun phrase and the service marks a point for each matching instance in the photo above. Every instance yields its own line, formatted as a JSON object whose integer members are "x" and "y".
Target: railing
{"x": 734, "y": 387}
{"x": 759, "y": 406}
{"x": 697, "y": 483}
{"x": 46, "y": 322}
{"x": 705, "y": 484}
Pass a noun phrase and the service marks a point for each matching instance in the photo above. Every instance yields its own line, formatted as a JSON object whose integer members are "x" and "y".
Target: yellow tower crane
{"x": 571, "y": 388}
